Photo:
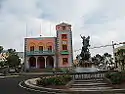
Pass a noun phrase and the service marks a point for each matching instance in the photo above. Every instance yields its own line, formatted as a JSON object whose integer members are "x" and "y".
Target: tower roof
{"x": 63, "y": 24}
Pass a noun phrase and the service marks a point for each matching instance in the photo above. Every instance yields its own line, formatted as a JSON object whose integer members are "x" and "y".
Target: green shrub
{"x": 54, "y": 80}
{"x": 67, "y": 78}
{"x": 57, "y": 69}
{"x": 65, "y": 70}
{"x": 108, "y": 75}
{"x": 116, "y": 77}
{"x": 59, "y": 81}
{"x": 123, "y": 74}
{"x": 43, "y": 81}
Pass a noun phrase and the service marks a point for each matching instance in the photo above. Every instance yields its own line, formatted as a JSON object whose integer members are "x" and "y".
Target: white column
{"x": 54, "y": 57}
{"x": 27, "y": 63}
{"x": 45, "y": 61}
{"x": 36, "y": 62}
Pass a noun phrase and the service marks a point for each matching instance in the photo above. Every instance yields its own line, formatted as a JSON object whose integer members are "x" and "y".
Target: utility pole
{"x": 113, "y": 47}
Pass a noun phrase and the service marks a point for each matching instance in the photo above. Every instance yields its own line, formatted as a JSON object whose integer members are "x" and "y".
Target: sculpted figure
{"x": 85, "y": 51}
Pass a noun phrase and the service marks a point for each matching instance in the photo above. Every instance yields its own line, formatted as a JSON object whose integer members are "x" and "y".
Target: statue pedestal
{"x": 86, "y": 64}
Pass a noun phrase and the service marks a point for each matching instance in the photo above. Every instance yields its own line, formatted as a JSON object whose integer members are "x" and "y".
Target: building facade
{"x": 50, "y": 52}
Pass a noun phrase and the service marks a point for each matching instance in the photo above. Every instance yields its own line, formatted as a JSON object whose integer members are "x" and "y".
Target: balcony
{"x": 64, "y": 52}
{"x": 29, "y": 53}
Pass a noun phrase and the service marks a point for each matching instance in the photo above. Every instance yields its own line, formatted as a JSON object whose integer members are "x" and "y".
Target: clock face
{"x": 64, "y": 42}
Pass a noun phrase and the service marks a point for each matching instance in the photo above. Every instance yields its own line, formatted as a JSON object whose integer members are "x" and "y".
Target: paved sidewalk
{"x": 28, "y": 73}
{"x": 35, "y": 73}
{"x": 23, "y": 73}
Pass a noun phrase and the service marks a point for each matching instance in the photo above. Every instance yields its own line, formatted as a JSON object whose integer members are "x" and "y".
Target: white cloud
{"x": 102, "y": 20}
{"x": 15, "y": 14}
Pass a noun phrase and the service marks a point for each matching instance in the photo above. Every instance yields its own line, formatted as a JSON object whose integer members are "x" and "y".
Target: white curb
{"x": 32, "y": 84}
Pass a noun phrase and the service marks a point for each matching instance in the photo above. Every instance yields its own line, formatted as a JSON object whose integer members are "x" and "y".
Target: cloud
{"x": 19, "y": 18}
{"x": 102, "y": 20}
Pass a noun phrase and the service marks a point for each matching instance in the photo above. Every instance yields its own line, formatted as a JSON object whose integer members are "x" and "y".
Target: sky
{"x": 102, "y": 20}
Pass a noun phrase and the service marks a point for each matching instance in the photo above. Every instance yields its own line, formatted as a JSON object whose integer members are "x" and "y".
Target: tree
{"x": 121, "y": 58}
{"x": 1, "y": 49}
{"x": 107, "y": 55}
{"x": 98, "y": 58}
{"x": 13, "y": 61}
{"x": 2, "y": 62}
{"x": 11, "y": 51}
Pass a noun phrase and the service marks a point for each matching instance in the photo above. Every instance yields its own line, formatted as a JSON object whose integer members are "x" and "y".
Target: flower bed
{"x": 54, "y": 81}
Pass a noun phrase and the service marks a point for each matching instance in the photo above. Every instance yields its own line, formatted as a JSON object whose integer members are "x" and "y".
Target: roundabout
{"x": 90, "y": 86}
{"x": 24, "y": 86}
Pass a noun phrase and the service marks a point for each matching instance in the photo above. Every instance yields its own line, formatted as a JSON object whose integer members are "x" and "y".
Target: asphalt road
{"x": 10, "y": 85}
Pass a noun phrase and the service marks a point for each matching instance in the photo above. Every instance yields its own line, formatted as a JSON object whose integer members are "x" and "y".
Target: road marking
{"x": 20, "y": 84}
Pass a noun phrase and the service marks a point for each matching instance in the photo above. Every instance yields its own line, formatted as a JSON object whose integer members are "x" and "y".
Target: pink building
{"x": 50, "y": 52}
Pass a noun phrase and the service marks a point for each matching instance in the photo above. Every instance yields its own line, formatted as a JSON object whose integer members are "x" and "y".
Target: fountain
{"x": 85, "y": 63}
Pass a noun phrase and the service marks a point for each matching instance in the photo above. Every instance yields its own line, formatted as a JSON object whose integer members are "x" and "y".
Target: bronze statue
{"x": 85, "y": 54}
{"x": 83, "y": 38}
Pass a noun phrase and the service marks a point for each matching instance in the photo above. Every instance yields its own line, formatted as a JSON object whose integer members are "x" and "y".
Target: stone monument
{"x": 84, "y": 58}
{"x": 85, "y": 54}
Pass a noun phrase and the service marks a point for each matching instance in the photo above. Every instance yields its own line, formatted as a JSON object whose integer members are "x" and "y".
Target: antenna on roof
{"x": 40, "y": 30}
{"x": 26, "y": 29}
{"x": 50, "y": 28}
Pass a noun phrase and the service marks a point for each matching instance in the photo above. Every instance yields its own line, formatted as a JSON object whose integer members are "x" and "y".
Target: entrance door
{"x": 41, "y": 62}
{"x": 50, "y": 62}
{"x": 32, "y": 62}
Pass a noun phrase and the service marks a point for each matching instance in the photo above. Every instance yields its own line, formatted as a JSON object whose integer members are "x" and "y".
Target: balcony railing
{"x": 40, "y": 52}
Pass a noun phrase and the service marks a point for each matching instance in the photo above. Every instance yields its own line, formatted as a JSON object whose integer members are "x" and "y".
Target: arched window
{"x": 49, "y": 48}
{"x": 31, "y": 48}
{"x": 40, "y": 48}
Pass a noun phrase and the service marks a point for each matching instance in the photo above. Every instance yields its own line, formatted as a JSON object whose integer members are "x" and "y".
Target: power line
{"x": 102, "y": 46}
